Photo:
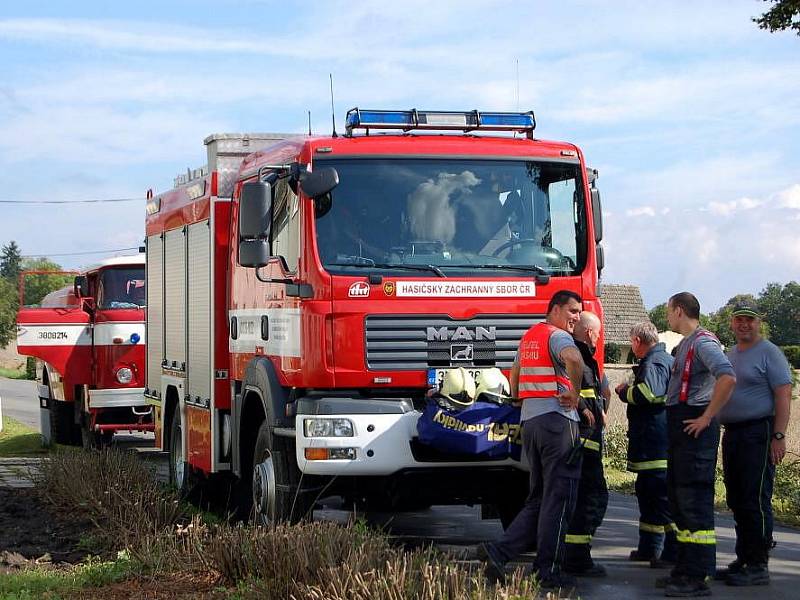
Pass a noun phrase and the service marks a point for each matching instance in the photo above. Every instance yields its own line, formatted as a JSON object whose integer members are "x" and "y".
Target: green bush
{"x": 613, "y": 353}
{"x": 30, "y": 368}
{"x": 792, "y": 355}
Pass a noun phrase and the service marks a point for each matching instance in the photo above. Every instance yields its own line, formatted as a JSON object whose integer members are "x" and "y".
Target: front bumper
{"x": 384, "y": 430}
{"x": 116, "y": 398}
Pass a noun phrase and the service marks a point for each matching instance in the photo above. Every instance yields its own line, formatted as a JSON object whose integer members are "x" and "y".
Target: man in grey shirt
{"x": 546, "y": 377}
{"x": 755, "y": 423}
{"x": 700, "y": 384}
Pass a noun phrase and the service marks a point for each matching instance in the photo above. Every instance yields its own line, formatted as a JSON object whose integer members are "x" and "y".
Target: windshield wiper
{"x": 542, "y": 276}
{"x": 368, "y": 263}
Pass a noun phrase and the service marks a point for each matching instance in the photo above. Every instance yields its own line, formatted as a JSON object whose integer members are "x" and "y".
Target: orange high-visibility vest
{"x": 537, "y": 374}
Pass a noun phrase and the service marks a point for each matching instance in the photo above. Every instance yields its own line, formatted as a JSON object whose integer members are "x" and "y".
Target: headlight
{"x": 124, "y": 375}
{"x": 328, "y": 428}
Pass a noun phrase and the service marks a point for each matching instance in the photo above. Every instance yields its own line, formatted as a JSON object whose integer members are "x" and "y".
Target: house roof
{"x": 622, "y": 308}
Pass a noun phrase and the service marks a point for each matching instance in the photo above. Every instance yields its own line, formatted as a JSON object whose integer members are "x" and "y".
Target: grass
{"x": 52, "y": 584}
{"x": 17, "y": 439}
{"x": 13, "y": 373}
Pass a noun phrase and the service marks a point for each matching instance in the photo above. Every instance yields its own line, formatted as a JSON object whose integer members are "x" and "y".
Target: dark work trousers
{"x": 590, "y": 509}
{"x": 691, "y": 468}
{"x": 749, "y": 477}
{"x": 547, "y": 441}
{"x": 656, "y": 528}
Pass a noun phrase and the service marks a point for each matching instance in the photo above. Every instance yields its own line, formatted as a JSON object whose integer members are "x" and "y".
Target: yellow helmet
{"x": 493, "y": 386}
{"x": 458, "y": 388}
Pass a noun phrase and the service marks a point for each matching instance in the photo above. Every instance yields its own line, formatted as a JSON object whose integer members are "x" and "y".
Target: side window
{"x": 286, "y": 224}
{"x": 563, "y": 217}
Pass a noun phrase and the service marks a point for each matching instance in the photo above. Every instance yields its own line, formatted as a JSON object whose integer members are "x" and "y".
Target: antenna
{"x": 309, "y": 123}
{"x": 333, "y": 113}
{"x": 517, "y": 85}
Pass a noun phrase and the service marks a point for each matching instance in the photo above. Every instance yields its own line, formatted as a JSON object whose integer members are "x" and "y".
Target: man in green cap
{"x": 755, "y": 421}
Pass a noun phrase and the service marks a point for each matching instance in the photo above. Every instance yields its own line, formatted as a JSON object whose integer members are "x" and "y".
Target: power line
{"x": 72, "y": 201}
{"x": 78, "y": 253}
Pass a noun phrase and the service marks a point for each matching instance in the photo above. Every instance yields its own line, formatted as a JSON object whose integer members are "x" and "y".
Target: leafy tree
{"x": 8, "y": 311}
{"x": 658, "y": 316}
{"x": 785, "y": 14}
{"x": 781, "y": 307}
{"x": 38, "y": 286}
{"x": 10, "y": 262}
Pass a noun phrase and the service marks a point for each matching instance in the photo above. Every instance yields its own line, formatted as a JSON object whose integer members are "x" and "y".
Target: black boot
{"x": 687, "y": 587}
{"x": 749, "y": 575}
{"x": 736, "y": 566}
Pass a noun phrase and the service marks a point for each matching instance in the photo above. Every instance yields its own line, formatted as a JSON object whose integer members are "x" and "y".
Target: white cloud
{"x": 789, "y": 198}
{"x": 641, "y": 211}
{"x": 733, "y": 206}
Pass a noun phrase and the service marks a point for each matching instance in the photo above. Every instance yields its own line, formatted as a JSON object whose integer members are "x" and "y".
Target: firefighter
{"x": 754, "y": 442}
{"x": 546, "y": 377}
{"x": 592, "y": 502}
{"x": 700, "y": 384}
{"x": 647, "y": 445}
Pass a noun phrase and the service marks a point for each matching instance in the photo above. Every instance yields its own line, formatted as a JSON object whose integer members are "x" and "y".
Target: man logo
{"x": 360, "y": 289}
{"x": 388, "y": 288}
{"x": 461, "y": 334}
{"x": 461, "y": 352}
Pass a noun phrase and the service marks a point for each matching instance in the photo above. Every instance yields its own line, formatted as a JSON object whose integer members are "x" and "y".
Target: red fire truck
{"x": 90, "y": 342}
{"x": 305, "y": 292}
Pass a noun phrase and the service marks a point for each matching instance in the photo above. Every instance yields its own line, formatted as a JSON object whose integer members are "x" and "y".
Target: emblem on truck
{"x": 359, "y": 289}
{"x": 461, "y": 334}
{"x": 461, "y": 352}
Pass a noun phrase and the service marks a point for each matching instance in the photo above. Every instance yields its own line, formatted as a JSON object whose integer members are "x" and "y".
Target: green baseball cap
{"x": 746, "y": 309}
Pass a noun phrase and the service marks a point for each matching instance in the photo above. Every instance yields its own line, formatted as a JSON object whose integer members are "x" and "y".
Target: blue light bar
{"x": 409, "y": 120}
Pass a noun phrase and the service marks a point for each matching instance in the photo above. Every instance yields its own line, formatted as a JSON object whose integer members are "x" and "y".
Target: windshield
{"x": 461, "y": 216}
{"x": 121, "y": 288}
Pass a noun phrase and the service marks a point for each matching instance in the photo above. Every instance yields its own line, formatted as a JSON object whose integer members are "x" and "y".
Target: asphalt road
{"x": 20, "y": 401}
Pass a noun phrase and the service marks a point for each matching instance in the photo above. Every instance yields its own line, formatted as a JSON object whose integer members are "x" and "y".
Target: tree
{"x": 37, "y": 287}
{"x": 8, "y": 311}
{"x": 10, "y": 262}
{"x": 781, "y": 308}
{"x": 785, "y": 14}
{"x": 658, "y": 316}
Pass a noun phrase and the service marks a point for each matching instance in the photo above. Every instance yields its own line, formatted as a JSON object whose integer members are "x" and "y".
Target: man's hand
{"x": 569, "y": 399}
{"x": 777, "y": 450}
{"x": 696, "y": 426}
{"x": 589, "y": 416}
{"x": 621, "y": 389}
{"x": 605, "y": 419}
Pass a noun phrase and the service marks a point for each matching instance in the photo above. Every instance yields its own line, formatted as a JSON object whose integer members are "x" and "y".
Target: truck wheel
{"x": 276, "y": 480}
{"x": 62, "y": 424}
{"x": 178, "y": 469}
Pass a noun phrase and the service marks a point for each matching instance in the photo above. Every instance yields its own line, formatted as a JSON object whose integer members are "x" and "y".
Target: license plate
{"x": 436, "y": 376}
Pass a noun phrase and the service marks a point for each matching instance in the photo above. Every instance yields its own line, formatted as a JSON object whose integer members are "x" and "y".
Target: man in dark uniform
{"x": 755, "y": 423}
{"x": 546, "y": 376}
{"x": 592, "y": 502}
{"x": 647, "y": 445}
{"x": 700, "y": 385}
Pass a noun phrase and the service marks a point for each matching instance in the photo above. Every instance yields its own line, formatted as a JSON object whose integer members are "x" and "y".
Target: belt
{"x": 748, "y": 423}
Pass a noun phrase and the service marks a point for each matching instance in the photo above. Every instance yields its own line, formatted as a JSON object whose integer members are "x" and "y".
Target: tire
{"x": 276, "y": 481}
{"x": 179, "y": 475}
{"x": 62, "y": 424}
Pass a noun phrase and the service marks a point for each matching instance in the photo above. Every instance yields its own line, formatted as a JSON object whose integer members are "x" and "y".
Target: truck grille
{"x": 400, "y": 342}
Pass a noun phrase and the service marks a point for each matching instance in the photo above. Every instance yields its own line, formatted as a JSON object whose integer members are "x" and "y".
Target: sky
{"x": 689, "y": 111}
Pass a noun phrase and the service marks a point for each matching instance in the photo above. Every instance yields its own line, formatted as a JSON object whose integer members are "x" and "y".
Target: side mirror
{"x": 81, "y": 286}
{"x": 319, "y": 182}
{"x": 255, "y": 223}
{"x": 597, "y": 216}
{"x": 601, "y": 259}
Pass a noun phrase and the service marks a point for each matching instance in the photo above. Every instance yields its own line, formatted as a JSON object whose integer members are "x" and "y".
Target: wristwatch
{"x": 778, "y": 435}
